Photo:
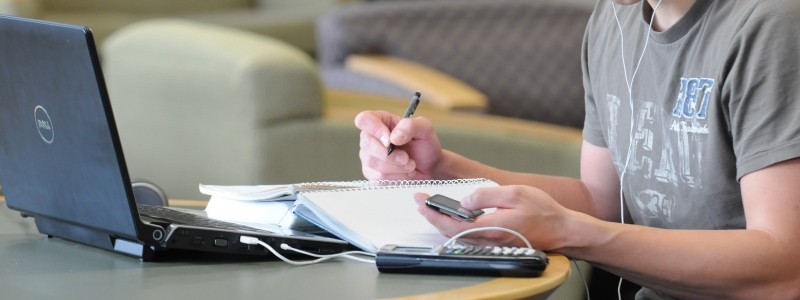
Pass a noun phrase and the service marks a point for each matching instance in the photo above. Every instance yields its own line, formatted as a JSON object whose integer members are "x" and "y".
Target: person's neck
{"x": 669, "y": 12}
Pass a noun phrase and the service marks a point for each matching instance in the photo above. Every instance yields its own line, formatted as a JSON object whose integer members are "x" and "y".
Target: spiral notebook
{"x": 381, "y": 212}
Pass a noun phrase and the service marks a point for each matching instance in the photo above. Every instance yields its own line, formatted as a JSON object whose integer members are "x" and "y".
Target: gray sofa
{"x": 515, "y": 58}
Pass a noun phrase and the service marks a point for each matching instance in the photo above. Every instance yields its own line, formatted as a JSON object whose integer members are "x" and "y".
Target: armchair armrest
{"x": 437, "y": 88}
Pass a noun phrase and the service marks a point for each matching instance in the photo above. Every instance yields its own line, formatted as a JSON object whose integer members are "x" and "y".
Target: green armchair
{"x": 197, "y": 103}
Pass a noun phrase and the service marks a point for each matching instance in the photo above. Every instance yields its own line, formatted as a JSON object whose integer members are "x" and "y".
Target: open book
{"x": 382, "y": 212}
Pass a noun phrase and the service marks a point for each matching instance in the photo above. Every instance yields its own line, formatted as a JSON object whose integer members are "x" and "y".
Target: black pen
{"x": 412, "y": 106}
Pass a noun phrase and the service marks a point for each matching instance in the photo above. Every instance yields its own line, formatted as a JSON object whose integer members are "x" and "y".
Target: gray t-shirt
{"x": 717, "y": 96}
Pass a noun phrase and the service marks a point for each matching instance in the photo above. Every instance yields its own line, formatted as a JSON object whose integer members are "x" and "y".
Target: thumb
{"x": 488, "y": 197}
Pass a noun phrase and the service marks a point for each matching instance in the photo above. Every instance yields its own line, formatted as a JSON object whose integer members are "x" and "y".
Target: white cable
{"x": 349, "y": 254}
{"x": 585, "y": 285}
{"x": 468, "y": 231}
{"x": 629, "y": 84}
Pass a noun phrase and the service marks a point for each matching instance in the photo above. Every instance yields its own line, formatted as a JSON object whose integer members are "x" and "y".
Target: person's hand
{"x": 417, "y": 148}
{"x": 524, "y": 209}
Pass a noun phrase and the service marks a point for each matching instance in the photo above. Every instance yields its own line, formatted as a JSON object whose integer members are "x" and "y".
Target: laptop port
{"x": 220, "y": 242}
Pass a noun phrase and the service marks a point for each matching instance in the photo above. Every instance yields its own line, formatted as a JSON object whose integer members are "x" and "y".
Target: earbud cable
{"x": 629, "y": 85}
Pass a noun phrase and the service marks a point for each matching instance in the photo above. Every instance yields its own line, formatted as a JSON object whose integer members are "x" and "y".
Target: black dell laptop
{"x": 61, "y": 159}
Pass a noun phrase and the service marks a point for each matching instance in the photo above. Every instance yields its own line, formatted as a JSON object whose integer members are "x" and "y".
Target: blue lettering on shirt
{"x": 693, "y": 97}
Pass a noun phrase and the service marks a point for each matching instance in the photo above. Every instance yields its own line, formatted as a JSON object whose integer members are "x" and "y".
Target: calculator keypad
{"x": 487, "y": 251}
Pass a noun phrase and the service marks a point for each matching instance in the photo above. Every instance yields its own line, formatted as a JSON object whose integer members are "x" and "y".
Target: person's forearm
{"x": 690, "y": 263}
{"x": 570, "y": 192}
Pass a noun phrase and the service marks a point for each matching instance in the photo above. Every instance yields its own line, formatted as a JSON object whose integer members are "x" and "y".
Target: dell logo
{"x": 43, "y": 124}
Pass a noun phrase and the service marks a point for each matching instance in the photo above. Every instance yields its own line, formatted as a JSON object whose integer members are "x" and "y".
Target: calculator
{"x": 462, "y": 260}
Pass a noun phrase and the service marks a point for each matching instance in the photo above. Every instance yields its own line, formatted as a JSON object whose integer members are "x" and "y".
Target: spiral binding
{"x": 342, "y": 186}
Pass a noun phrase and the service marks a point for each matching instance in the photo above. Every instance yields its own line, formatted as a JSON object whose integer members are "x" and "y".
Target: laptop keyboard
{"x": 172, "y": 215}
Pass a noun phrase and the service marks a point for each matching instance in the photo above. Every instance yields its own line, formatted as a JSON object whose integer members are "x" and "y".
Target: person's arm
{"x": 753, "y": 263}
{"x": 759, "y": 262}
{"x": 589, "y": 195}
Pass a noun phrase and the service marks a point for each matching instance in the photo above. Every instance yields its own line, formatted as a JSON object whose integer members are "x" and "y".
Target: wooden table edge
{"x": 506, "y": 287}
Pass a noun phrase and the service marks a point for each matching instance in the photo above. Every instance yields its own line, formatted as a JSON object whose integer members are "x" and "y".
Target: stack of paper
{"x": 268, "y": 205}
{"x": 256, "y": 205}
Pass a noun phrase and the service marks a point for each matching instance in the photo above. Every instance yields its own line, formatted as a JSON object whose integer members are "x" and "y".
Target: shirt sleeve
{"x": 762, "y": 87}
{"x": 592, "y": 129}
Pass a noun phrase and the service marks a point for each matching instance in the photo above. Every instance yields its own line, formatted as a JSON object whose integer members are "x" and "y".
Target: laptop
{"x": 61, "y": 160}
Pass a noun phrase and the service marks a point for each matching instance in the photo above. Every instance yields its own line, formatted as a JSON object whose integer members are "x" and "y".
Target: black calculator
{"x": 462, "y": 260}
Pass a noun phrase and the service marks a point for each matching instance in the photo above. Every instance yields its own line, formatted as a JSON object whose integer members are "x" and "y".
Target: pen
{"x": 412, "y": 106}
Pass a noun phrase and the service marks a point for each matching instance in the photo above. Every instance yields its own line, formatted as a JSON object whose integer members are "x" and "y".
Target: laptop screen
{"x": 59, "y": 158}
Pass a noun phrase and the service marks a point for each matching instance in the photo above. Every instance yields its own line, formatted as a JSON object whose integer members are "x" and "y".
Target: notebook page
{"x": 371, "y": 218}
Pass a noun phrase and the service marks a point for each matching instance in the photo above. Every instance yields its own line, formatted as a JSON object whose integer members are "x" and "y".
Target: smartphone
{"x": 452, "y": 207}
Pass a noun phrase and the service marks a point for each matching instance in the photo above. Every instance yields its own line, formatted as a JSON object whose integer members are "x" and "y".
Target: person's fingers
{"x": 374, "y": 174}
{"x": 371, "y": 145}
{"x": 447, "y": 225}
{"x": 376, "y": 124}
{"x": 411, "y": 128}
{"x": 376, "y": 165}
{"x": 499, "y": 197}
{"x": 420, "y": 198}
{"x": 450, "y": 226}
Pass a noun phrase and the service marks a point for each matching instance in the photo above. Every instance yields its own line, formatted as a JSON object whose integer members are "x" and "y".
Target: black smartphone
{"x": 452, "y": 207}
